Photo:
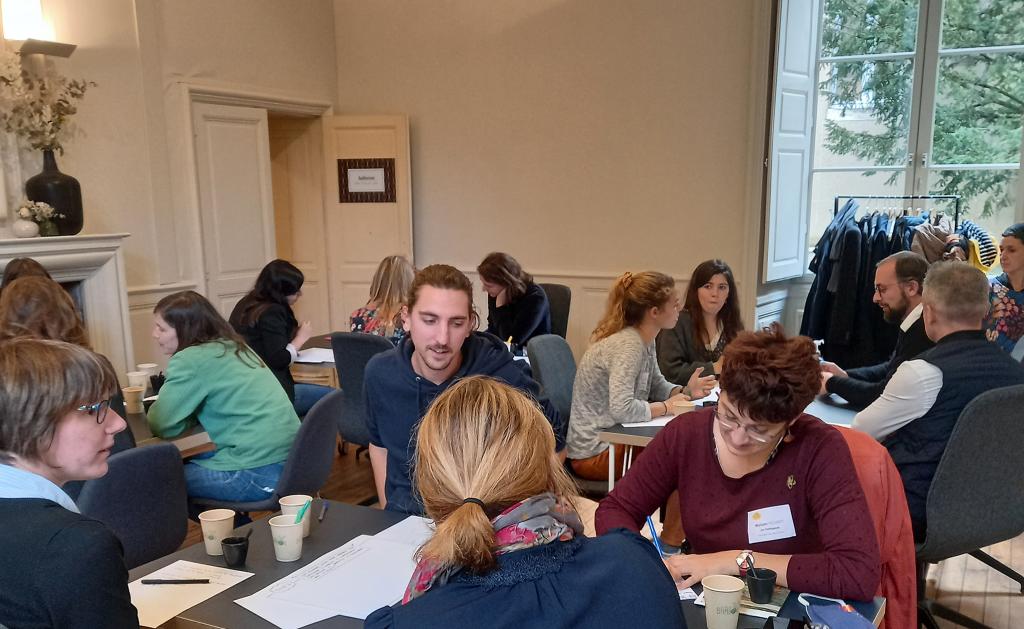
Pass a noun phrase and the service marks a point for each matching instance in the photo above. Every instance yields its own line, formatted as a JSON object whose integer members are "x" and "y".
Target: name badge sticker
{"x": 771, "y": 523}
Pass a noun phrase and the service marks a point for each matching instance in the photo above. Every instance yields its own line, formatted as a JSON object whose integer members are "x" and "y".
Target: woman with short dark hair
{"x": 757, "y": 474}
{"x": 516, "y": 307}
{"x": 60, "y": 568}
{"x": 215, "y": 380}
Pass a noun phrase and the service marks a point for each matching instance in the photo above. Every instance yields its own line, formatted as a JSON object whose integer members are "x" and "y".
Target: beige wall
{"x": 585, "y": 137}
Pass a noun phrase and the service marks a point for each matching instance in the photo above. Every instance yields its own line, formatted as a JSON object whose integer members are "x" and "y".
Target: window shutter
{"x": 792, "y": 127}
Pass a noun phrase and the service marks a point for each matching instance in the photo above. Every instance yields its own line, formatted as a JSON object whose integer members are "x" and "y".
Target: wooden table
{"x": 317, "y": 373}
{"x": 193, "y": 442}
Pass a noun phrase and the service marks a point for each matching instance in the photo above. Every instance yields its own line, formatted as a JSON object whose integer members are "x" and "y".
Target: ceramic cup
{"x": 722, "y": 600}
{"x": 217, "y": 524}
{"x": 287, "y": 537}
{"x": 290, "y": 505}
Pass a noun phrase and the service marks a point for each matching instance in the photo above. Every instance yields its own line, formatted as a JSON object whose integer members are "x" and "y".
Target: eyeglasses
{"x": 99, "y": 409}
{"x": 756, "y": 434}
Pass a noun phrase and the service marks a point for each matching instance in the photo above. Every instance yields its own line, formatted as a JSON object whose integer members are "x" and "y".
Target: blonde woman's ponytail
{"x": 630, "y": 297}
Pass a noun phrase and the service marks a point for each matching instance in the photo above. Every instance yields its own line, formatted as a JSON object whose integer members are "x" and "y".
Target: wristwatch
{"x": 745, "y": 561}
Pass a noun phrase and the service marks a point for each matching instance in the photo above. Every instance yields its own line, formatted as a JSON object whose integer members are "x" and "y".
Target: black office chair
{"x": 308, "y": 464}
{"x": 352, "y": 350}
{"x": 559, "y": 300}
{"x": 554, "y": 367}
{"x": 975, "y": 499}
{"x": 142, "y": 499}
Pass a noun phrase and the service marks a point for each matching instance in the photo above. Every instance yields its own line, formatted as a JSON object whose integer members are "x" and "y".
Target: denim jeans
{"x": 236, "y": 486}
{"x": 306, "y": 395}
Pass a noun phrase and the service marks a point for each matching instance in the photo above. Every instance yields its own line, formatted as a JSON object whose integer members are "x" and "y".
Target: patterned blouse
{"x": 365, "y": 320}
{"x": 1005, "y": 322}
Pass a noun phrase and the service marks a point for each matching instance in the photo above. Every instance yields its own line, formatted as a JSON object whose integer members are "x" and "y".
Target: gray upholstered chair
{"x": 352, "y": 350}
{"x": 308, "y": 464}
{"x": 142, "y": 499}
{"x": 976, "y": 498}
{"x": 1018, "y": 351}
{"x": 559, "y": 300}
{"x": 554, "y": 367}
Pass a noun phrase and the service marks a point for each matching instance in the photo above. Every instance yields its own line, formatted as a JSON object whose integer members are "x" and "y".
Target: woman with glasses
{"x": 508, "y": 549}
{"x": 215, "y": 380}
{"x": 59, "y": 568}
{"x": 758, "y": 479}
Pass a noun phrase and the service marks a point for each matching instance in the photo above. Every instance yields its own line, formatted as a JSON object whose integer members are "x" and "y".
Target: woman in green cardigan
{"x": 215, "y": 380}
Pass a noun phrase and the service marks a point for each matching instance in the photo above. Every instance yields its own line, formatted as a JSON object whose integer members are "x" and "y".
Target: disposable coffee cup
{"x": 291, "y": 505}
{"x": 133, "y": 399}
{"x": 235, "y": 550}
{"x": 217, "y": 524}
{"x": 151, "y": 369}
{"x": 138, "y": 379}
{"x": 761, "y": 584}
{"x": 722, "y": 600}
{"x": 287, "y": 537}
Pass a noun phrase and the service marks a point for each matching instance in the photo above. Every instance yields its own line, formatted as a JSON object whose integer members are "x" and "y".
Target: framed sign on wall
{"x": 369, "y": 180}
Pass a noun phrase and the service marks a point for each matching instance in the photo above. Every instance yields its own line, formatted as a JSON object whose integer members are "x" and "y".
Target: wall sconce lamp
{"x": 23, "y": 21}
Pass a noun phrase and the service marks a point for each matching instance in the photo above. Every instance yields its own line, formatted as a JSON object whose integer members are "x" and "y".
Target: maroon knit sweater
{"x": 835, "y": 551}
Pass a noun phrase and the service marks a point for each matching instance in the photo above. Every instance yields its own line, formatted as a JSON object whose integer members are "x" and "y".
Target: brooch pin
{"x": 790, "y": 482}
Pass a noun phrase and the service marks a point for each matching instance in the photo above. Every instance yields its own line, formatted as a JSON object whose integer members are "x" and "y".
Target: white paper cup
{"x": 722, "y": 600}
{"x": 138, "y": 379}
{"x": 133, "y": 399}
{"x": 151, "y": 369}
{"x": 290, "y": 505}
{"x": 287, "y": 537}
{"x": 217, "y": 524}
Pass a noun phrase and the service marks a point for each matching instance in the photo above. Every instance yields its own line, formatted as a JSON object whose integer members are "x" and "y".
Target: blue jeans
{"x": 306, "y": 395}
{"x": 249, "y": 485}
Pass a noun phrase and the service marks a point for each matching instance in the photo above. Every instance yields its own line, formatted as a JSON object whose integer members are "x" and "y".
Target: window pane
{"x": 860, "y": 27}
{"x": 978, "y": 109}
{"x": 989, "y": 197}
{"x": 863, "y": 116}
{"x": 977, "y": 23}
{"x": 825, "y": 186}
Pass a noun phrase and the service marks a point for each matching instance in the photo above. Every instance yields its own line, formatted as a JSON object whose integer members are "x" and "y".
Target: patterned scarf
{"x": 533, "y": 522}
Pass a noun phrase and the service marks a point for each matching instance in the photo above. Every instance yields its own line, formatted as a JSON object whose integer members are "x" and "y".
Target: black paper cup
{"x": 761, "y": 584}
{"x": 236, "y": 548}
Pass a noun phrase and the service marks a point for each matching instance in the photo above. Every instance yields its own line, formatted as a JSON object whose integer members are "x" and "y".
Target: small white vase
{"x": 24, "y": 228}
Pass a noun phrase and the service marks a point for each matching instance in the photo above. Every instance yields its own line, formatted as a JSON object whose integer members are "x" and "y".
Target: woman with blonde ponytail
{"x": 618, "y": 379}
{"x": 509, "y": 550}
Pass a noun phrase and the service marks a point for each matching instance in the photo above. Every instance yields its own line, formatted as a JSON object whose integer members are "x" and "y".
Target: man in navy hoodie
{"x": 440, "y": 348}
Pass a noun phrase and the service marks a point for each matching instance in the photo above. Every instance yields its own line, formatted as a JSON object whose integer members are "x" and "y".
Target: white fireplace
{"x": 96, "y": 262}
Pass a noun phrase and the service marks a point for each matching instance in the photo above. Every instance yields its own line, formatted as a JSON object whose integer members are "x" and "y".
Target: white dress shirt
{"x": 910, "y": 393}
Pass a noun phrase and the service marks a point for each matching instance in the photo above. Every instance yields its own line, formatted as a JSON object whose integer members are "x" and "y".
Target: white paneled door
{"x": 368, "y": 202}
{"x": 236, "y": 203}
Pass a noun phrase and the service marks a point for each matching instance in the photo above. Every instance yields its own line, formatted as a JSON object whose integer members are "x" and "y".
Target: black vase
{"x": 59, "y": 190}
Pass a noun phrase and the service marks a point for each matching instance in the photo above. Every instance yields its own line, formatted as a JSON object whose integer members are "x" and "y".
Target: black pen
{"x": 172, "y": 581}
{"x": 323, "y": 512}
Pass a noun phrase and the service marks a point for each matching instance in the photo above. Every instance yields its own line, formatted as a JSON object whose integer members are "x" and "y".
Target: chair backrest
{"x": 554, "y": 368}
{"x": 352, "y": 350}
{"x": 309, "y": 461}
{"x": 1018, "y": 351}
{"x": 975, "y": 498}
{"x": 142, "y": 499}
{"x": 559, "y": 301}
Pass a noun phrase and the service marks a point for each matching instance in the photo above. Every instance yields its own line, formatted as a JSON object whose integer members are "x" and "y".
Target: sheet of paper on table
{"x": 315, "y": 355}
{"x": 354, "y": 580}
{"x": 159, "y": 603}
{"x": 687, "y": 594}
{"x": 665, "y": 419}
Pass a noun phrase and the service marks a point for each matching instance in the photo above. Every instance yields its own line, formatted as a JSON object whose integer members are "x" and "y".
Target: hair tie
{"x": 475, "y": 501}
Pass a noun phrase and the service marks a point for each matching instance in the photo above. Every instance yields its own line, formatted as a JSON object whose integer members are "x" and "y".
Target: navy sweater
{"x": 397, "y": 398}
{"x": 613, "y": 581}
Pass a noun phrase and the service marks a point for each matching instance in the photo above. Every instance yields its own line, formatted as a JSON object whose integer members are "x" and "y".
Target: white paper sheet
{"x": 687, "y": 594}
{"x": 315, "y": 355}
{"x": 353, "y": 580}
{"x": 159, "y": 603}
{"x": 413, "y": 530}
{"x": 657, "y": 421}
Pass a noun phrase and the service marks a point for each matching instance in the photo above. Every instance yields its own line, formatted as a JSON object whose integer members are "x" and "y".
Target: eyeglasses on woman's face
{"x": 98, "y": 410}
{"x": 729, "y": 424}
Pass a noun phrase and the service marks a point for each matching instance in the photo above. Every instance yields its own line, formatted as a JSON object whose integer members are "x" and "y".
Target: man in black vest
{"x": 918, "y": 409}
{"x": 898, "y": 282}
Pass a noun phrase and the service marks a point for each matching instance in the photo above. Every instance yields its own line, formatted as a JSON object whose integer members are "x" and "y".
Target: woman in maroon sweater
{"x": 757, "y": 474}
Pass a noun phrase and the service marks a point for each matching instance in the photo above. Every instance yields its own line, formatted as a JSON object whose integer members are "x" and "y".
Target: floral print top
{"x": 365, "y": 320}
{"x": 1005, "y": 322}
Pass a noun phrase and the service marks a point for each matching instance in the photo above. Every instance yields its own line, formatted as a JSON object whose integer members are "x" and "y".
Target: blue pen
{"x": 654, "y": 537}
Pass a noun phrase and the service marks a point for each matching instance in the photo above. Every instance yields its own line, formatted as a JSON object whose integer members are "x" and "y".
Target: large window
{"x": 919, "y": 97}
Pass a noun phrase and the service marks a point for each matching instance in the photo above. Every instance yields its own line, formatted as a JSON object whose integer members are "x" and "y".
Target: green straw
{"x": 302, "y": 511}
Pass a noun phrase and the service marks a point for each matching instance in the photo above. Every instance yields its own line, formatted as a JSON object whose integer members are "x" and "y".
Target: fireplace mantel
{"x": 96, "y": 261}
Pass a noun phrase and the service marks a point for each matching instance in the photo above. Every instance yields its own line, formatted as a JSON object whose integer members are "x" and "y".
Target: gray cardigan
{"x": 679, "y": 354}
{"x": 616, "y": 378}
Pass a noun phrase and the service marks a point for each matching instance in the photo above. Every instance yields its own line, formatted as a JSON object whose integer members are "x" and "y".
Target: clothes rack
{"x": 955, "y": 198}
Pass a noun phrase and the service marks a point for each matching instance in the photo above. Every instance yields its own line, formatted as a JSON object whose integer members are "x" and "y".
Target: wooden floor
{"x": 962, "y": 583}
